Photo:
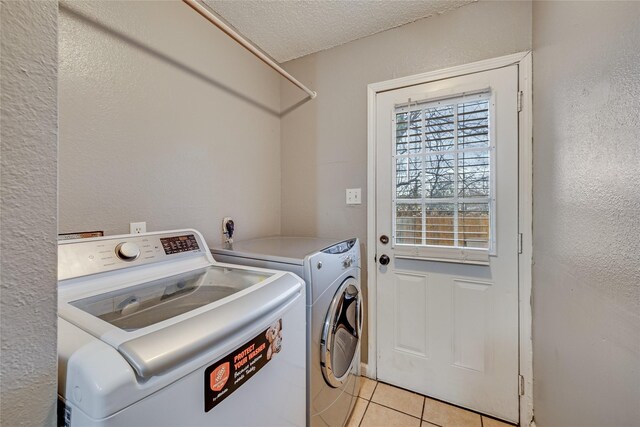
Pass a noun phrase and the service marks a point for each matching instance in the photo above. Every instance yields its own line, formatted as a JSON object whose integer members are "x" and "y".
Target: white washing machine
{"x": 153, "y": 332}
{"x": 331, "y": 270}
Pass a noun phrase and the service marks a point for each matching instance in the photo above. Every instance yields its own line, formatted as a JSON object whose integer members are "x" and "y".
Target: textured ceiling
{"x": 289, "y": 29}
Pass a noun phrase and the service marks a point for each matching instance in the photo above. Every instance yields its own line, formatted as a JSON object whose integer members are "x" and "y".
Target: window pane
{"x": 409, "y": 178}
{"x": 443, "y": 174}
{"x": 408, "y": 132}
{"x": 409, "y": 224}
{"x": 439, "y": 176}
{"x": 473, "y": 125}
{"x": 473, "y": 174}
{"x": 473, "y": 225}
{"x": 439, "y": 128}
{"x": 439, "y": 224}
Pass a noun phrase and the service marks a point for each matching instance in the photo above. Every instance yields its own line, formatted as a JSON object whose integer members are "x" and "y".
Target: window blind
{"x": 442, "y": 170}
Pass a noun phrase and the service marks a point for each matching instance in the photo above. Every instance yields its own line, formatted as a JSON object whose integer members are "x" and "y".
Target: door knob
{"x": 384, "y": 260}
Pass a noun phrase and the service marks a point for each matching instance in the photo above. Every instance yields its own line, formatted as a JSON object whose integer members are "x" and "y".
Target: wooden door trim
{"x": 525, "y": 208}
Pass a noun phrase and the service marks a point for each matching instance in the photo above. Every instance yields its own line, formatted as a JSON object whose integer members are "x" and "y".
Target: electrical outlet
{"x": 137, "y": 227}
{"x": 354, "y": 196}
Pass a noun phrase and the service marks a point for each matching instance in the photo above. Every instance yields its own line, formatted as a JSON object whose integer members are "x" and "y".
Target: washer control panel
{"x": 127, "y": 251}
{"x": 90, "y": 256}
{"x": 179, "y": 244}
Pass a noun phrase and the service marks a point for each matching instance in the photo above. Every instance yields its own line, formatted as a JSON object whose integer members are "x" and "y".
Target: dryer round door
{"x": 341, "y": 333}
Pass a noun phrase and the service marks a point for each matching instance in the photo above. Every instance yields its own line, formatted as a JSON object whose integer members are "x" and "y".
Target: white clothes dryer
{"x": 154, "y": 332}
{"x": 331, "y": 270}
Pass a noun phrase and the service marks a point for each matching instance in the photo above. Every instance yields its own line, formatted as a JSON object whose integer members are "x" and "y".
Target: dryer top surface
{"x": 279, "y": 248}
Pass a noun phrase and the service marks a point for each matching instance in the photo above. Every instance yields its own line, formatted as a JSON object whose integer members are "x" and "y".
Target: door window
{"x": 443, "y": 174}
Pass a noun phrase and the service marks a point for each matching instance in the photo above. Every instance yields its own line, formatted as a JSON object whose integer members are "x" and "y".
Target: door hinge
{"x": 521, "y": 385}
{"x": 520, "y": 101}
{"x": 519, "y": 243}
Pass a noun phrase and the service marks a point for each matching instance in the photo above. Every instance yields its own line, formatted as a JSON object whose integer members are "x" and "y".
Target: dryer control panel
{"x": 340, "y": 248}
{"x": 335, "y": 262}
{"x": 348, "y": 255}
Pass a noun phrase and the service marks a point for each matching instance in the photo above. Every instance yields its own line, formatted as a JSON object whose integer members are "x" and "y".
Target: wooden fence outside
{"x": 473, "y": 230}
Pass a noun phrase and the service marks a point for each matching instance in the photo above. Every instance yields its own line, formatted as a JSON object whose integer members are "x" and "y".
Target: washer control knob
{"x": 127, "y": 251}
{"x": 347, "y": 262}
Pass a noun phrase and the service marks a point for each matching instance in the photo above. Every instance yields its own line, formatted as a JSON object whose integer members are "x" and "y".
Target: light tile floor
{"x": 382, "y": 405}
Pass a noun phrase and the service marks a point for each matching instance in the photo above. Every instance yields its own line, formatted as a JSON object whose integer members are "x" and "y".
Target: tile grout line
{"x": 424, "y": 403}
{"x": 398, "y": 410}
{"x": 441, "y": 401}
{"x": 368, "y": 403}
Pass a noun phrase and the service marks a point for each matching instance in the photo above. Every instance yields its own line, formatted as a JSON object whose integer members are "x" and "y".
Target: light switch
{"x": 354, "y": 196}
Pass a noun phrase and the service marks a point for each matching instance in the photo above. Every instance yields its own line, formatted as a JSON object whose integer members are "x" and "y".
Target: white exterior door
{"x": 447, "y": 230}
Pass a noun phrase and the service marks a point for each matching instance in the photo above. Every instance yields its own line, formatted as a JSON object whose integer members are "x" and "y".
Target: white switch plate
{"x": 354, "y": 196}
{"x": 137, "y": 227}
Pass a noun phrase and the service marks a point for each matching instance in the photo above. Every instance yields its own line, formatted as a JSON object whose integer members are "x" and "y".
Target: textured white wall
{"x": 324, "y": 142}
{"x": 164, "y": 119}
{"x": 28, "y": 260}
{"x": 586, "y": 284}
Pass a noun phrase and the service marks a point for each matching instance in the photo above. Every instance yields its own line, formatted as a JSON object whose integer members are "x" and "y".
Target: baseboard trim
{"x": 363, "y": 369}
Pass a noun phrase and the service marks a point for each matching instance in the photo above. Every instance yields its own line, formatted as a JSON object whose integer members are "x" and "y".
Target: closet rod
{"x": 195, "y": 5}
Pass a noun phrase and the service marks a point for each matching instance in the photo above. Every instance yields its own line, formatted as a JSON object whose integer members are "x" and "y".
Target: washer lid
{"x": 136, "y": 307}
{"x": 164, "y": 323}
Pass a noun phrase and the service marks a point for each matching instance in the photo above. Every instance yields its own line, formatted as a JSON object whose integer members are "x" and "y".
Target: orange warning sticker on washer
{"x": 229, "y": 373}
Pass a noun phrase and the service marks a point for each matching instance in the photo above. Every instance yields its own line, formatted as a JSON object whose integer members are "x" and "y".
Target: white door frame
{"x": 525, "y": 209}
